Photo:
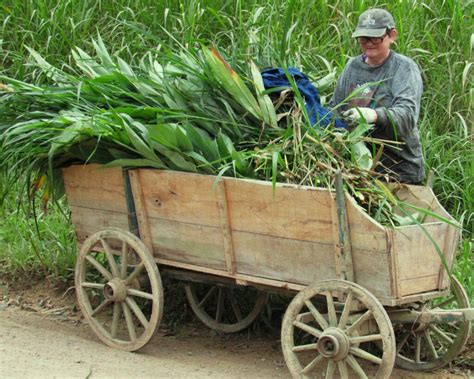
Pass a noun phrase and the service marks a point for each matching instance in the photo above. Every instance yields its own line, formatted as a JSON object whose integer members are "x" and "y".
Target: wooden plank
{"x": 365, "y": 232}
{"x": 140, "y": 209}
{"x": 372, "y": 271}
{"x": 189, "y": 243}
{"x": 88, "y": 221}
{"x": 239, "y": 278}
{"x": 95, "y": 187}
{"x": 300, "y": 214}
{"x": 226, "y": 227}
{"x": 416, "y": 256}
{"x": 283, "y": 259}
{"x": 183, "y": 197}
{"x": 452, "y": 241}
{"x": 422, "y": 197}
{"x": 422, "y": 297}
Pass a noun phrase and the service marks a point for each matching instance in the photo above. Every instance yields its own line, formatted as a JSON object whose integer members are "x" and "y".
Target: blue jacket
{"x": 318, "y": 115}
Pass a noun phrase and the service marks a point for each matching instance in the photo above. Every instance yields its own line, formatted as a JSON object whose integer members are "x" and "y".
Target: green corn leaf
{"x": 136, "y": 163}
{"x": 266, "y": 105}
{"x": 231, "y": 82}
{"x": 103, "y": 54}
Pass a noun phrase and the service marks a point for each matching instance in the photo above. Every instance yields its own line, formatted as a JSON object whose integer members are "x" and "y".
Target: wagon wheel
{"x": 225, "y": 309}
{"x": 119, "y": 289}
{"x": 423, "y": 347}
{"x": 338, "y": 332}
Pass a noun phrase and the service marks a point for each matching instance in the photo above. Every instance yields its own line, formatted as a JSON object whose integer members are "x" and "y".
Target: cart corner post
{"x": 137, "y": 216}
{"x": 347, "y": 271}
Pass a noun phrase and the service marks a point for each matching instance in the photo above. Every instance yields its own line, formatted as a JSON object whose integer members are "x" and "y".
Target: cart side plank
{"x": 87, "y": 221}
{"x": 417, "y": 260}
{"x": 181, "y": 197}
{"x": 188, "y": 243}
{"x": 96, "y": 188}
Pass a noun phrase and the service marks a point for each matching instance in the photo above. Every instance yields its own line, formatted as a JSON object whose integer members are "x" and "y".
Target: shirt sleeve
{"x": 398, "y": 121}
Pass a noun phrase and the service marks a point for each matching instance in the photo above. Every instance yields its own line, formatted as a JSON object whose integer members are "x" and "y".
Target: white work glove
{"x": 357, "y": 114}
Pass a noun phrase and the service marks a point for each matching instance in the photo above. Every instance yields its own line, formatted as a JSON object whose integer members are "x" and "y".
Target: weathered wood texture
{"x": 240, "y": 228}
{"x": 97, "y": 199}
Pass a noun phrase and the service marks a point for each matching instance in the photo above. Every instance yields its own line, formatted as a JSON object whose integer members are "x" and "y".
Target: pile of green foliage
{"x": 187, "y": 111}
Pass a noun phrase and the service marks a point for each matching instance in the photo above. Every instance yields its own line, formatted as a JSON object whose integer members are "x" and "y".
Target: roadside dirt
{"x": 43, "y": 336}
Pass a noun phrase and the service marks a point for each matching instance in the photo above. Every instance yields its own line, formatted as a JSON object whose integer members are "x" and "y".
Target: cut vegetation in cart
{"x": 226, "y": 166}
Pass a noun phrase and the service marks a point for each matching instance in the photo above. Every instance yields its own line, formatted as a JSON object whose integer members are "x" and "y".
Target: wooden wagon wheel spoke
{"x": 129, "y": 320}
{"x": 428, "y": 346}
{"x": 124, "y": 261}
{"x": 403, "y": 340}
{"x": 345, "y": 312}
{"x": 138, "y": 293}
{"x": 366, "y": 338}
{"x": 331, "y": 310}
{"x": 220, "y": 304}
{"x": 120, "y": 320}
{"x": 365, "y": 355}
{"x": 99, "y": 286}
{"x": 105, "y": 273}
{"x": 310, "y": 367}
{"x": 110, "y": 258}
{"x": 441, "y": 334}
{"x": 357, "y": 324}
{"x": 342, "y": 367}
{"x": 418, "y": 349}
{"x": 137, "y": 311}
{"x": 227, "y": 310}
{"x": 136, "y": 272}
{"x": 308, "y": 329}
{"x": 235, "y": 308}
{"x": 101, "y": 307}
{"x": 341, "y": 343}
{"x": 431, "y": 346}
{"x": 207, "y": 296}
{"x": 318, "y": 317}
{"x": 310, "y": 346}
{"x": 356, "y": 367}
{"x": 116, "y": 318}
{"x": 330, "y": 369}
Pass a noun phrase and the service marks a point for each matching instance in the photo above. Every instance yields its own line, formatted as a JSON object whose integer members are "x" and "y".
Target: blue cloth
{"x": 318, "y": 115}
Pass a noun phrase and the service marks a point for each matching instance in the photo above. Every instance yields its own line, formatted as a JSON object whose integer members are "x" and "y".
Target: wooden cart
{"x": 367, "y": 296}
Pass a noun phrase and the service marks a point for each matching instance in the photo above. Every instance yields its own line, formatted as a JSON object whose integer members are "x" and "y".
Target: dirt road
{"x": 44, "y": 338}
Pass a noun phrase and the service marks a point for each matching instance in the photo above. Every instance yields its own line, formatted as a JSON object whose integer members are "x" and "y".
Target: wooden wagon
{"x": 365, "y": 294}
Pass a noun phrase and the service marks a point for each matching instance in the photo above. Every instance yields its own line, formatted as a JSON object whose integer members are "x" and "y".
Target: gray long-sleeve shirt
{"x": 396, "y": 99}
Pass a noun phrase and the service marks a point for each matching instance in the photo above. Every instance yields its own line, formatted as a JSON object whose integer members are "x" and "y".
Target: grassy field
{"x": 313, "y": 35}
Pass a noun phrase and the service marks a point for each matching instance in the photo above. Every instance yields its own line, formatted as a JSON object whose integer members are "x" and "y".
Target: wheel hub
{"x": 115, "y": 290}
{"x": 333, "y": 344}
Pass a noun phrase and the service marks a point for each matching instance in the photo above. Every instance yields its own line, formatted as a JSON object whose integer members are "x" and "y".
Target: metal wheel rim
{"x": 220, "y": 326}
{"x": 454, "y": 348}
{"x": 342, "y": 364}
{"x": 147, "y": 265}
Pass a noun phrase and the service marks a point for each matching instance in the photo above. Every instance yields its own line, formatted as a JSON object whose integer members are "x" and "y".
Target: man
{"x": 389, "y": 94}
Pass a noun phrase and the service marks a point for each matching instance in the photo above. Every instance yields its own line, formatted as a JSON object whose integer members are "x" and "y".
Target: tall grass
{"x": 311, "y": 34}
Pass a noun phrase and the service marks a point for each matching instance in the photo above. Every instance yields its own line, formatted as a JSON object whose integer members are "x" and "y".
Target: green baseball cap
{"x": 374, "y": 23}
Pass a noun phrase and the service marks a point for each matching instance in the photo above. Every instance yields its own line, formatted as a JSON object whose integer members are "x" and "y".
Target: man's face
{"x": 377, "y": 48}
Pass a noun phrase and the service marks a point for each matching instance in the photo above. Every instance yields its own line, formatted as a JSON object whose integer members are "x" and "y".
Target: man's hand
{"x": 357, "y": 114}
